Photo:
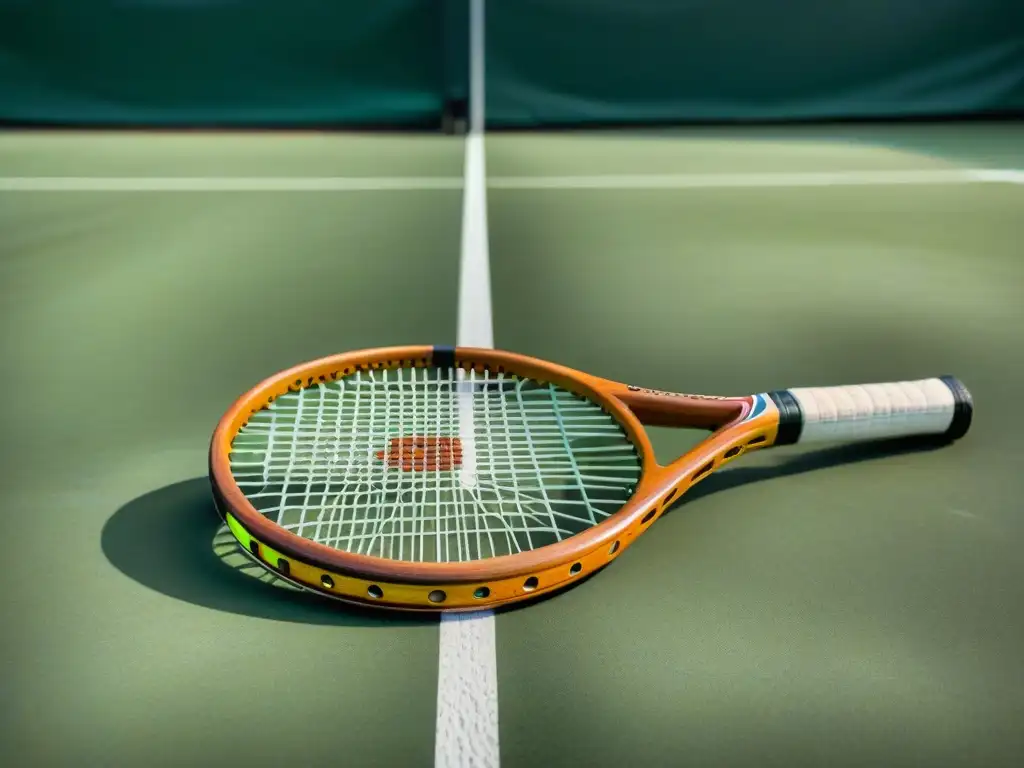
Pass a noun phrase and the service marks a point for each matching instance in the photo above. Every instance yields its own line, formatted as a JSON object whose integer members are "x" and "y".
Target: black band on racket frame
{"x": 444, "y": 357}
{"x": 963, "y": 408}
{"x": 791, "y": 418}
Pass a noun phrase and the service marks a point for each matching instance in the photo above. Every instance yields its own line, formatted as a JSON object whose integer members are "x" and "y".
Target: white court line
{"x": 753, "y": 180}
{"x": 997, "y": 175}
{"x": 225, "y": 184}
{"x": 428, "y": 183}
{"x": 467, "y": 677}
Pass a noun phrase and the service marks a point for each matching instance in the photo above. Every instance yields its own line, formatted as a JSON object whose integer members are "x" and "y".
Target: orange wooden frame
{"x": 738, "y": 425}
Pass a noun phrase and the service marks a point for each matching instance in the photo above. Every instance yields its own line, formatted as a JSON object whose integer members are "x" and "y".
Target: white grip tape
{"x": 875, "y": 411}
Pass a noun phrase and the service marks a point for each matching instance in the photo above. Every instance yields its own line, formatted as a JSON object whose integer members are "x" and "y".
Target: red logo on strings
{"x": 423, "y": 453}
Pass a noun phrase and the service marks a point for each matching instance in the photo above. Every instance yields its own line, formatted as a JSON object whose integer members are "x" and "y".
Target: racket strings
{"x": 525, "y": 464}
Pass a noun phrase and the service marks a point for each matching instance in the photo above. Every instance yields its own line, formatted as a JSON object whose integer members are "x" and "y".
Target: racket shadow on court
{"x": 796, "y": 464}
{"x": 172, "y": 541}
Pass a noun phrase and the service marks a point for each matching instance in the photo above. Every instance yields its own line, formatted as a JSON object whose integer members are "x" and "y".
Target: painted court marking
{"x": 442, "y": 183}
{"x": 467, "y": 677}
{"x": 753, "y": 180}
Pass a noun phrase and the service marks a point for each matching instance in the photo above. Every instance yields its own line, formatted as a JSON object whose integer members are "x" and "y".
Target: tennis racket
{"x": 452, "y": 479}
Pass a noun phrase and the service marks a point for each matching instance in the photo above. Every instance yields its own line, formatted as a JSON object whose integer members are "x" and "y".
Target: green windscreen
{"x": 434, "y": 464}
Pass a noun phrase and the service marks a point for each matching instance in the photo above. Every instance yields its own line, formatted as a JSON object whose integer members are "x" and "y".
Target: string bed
{"x": 434, "y": 465}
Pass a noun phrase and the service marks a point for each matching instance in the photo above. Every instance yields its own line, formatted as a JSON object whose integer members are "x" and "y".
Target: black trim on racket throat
{"x": 963, "y": 408}
{"x": 791, "y": 418}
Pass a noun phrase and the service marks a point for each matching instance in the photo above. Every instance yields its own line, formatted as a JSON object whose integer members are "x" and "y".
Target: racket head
{"x": 368, "y": 573}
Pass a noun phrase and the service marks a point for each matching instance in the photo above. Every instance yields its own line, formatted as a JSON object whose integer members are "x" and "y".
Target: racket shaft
{"x": 939, "y": 406}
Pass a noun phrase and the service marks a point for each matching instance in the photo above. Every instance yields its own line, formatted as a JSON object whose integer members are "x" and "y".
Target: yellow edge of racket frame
{"x": 659, "y": 487}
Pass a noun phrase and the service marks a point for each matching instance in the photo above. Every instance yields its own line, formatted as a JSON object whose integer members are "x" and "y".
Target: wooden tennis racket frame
{"x": 739, "y": 424}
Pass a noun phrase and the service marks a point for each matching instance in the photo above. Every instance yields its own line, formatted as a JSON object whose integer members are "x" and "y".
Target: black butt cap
{"x": 963, "y": 408}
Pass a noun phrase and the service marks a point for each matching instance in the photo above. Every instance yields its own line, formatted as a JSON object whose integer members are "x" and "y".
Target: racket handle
{"x": 940, "y": 406}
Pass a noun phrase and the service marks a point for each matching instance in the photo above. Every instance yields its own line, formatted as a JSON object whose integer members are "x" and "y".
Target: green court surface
{"x": 831, "y": 607}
